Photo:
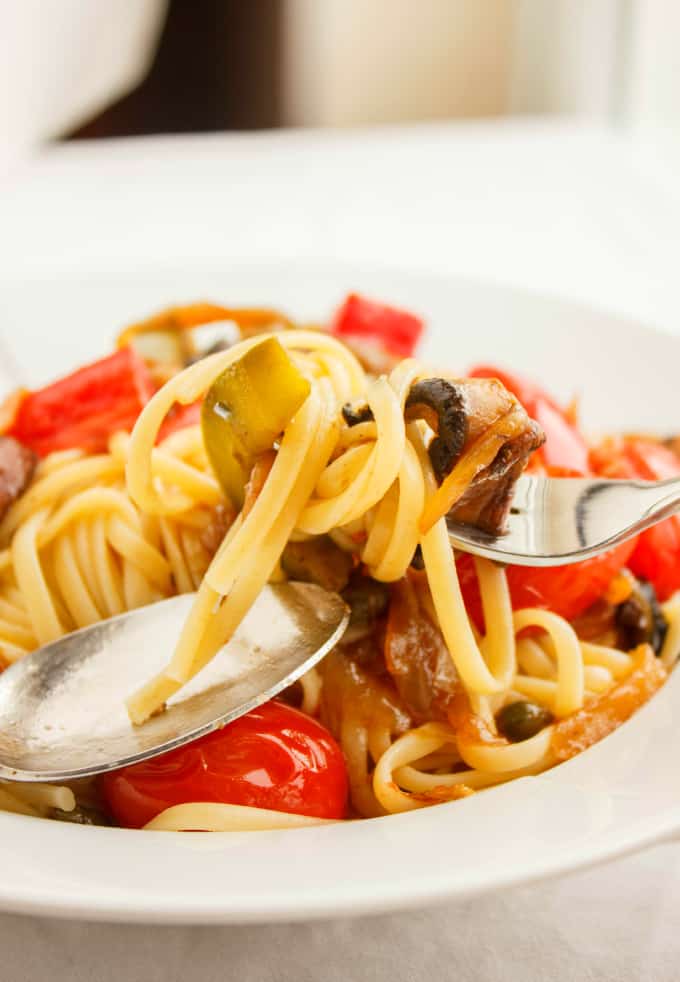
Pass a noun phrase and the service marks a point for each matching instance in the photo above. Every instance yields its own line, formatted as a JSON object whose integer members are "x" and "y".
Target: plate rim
{"x": 121, "y": 906}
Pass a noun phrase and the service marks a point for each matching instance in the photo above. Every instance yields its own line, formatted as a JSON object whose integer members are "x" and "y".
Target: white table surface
{"x": 549, "y": 206}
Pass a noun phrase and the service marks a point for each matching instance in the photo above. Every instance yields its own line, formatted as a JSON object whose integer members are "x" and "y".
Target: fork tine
{"x": 557, "y": 521}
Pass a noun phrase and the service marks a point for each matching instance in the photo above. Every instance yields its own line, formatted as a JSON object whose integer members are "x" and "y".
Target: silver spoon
{"x": 62, "y": 708}
{"x": 555, "y": 521}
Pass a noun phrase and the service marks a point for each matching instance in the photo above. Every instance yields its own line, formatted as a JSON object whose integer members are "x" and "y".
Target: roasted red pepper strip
{"x": 84, "y": 409}
{"x": 564, "y": 453}
{"x": 397, "y": 331}
{"x": 657, "y": 555}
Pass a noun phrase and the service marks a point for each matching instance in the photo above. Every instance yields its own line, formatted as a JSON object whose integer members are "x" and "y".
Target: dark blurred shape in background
{"x": 216, "y": 68}
{"x": 225, "y": 65}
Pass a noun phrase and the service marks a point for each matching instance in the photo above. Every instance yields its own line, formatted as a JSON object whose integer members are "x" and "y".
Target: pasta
{"x": 146, "y": 517}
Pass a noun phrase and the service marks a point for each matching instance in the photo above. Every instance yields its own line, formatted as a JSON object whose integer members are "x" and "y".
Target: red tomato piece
{"x": 564, "y": 446}
{"x": 273, "y": 757}
{"x": 564, "y": 452}
{"x": 634, "y": 456}
{"x": 657, "y": 555}
{"x": 85, "y": 408}
{"x": 657, "y": 558}
{"x": 179, "y": 418}
{"x": 565, "y": 590}
{"x": 396, "y": 330}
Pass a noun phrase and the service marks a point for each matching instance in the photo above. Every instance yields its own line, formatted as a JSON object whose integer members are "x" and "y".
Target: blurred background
{"x": 169, "y": 66}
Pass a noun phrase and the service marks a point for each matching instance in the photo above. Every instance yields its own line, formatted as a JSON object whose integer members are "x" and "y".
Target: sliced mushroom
{"x": 468, "y": 409}
{"x": 368, "y": 600}
{"x": 460, "y": 413}
{"x": 487, "y": 501}
{"x": 443, "y": 406}
{"x": 318, "y": 561}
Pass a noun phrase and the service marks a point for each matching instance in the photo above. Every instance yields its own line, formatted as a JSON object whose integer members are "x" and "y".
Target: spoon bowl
{"x": 62, "y": 708}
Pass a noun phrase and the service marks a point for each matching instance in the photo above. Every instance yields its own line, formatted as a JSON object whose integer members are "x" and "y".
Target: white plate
{"x": 619, "y": 796}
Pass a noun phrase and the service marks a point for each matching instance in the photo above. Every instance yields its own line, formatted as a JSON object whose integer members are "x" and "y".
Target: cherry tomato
{"x": 565, "y": 590}
{"x": 397, "y": 331}
{"x": 273, "y": 757}
{"x": 564, "y": 452}
{"x": 657, "y": 555}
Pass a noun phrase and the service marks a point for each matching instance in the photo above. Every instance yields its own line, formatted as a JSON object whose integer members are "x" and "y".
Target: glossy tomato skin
{"x": 565, "y": 590}
{"x": 564, "y": 453}
{"x": 398, "y": 331}
{"x": 657, "y": 556}
{"x": 86, "y": 407}
{"x": 273, "y": 757}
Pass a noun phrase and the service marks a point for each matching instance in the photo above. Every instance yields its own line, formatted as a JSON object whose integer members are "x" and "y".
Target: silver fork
{"x": 554, "y": 521}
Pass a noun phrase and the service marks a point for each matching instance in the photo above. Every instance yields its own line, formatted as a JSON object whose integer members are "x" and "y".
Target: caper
{"x": 521, "y": 720}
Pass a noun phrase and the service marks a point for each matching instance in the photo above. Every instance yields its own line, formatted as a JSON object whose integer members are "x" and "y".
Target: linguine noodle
{"x": 97, "y": 535}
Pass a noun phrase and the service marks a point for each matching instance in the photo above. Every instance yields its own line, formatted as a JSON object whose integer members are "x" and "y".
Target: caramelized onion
{"x": 416, "y": 656}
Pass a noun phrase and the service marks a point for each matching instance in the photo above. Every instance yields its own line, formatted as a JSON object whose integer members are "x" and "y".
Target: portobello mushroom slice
{"x": 487, "y": 501}
{"x": 460, "y": 413}
{"x": 442, "y": 405}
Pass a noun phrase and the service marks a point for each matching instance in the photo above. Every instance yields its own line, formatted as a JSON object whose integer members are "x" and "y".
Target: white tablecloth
{"x": 615, "y": 924}
{"x": 577, "y": 211}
